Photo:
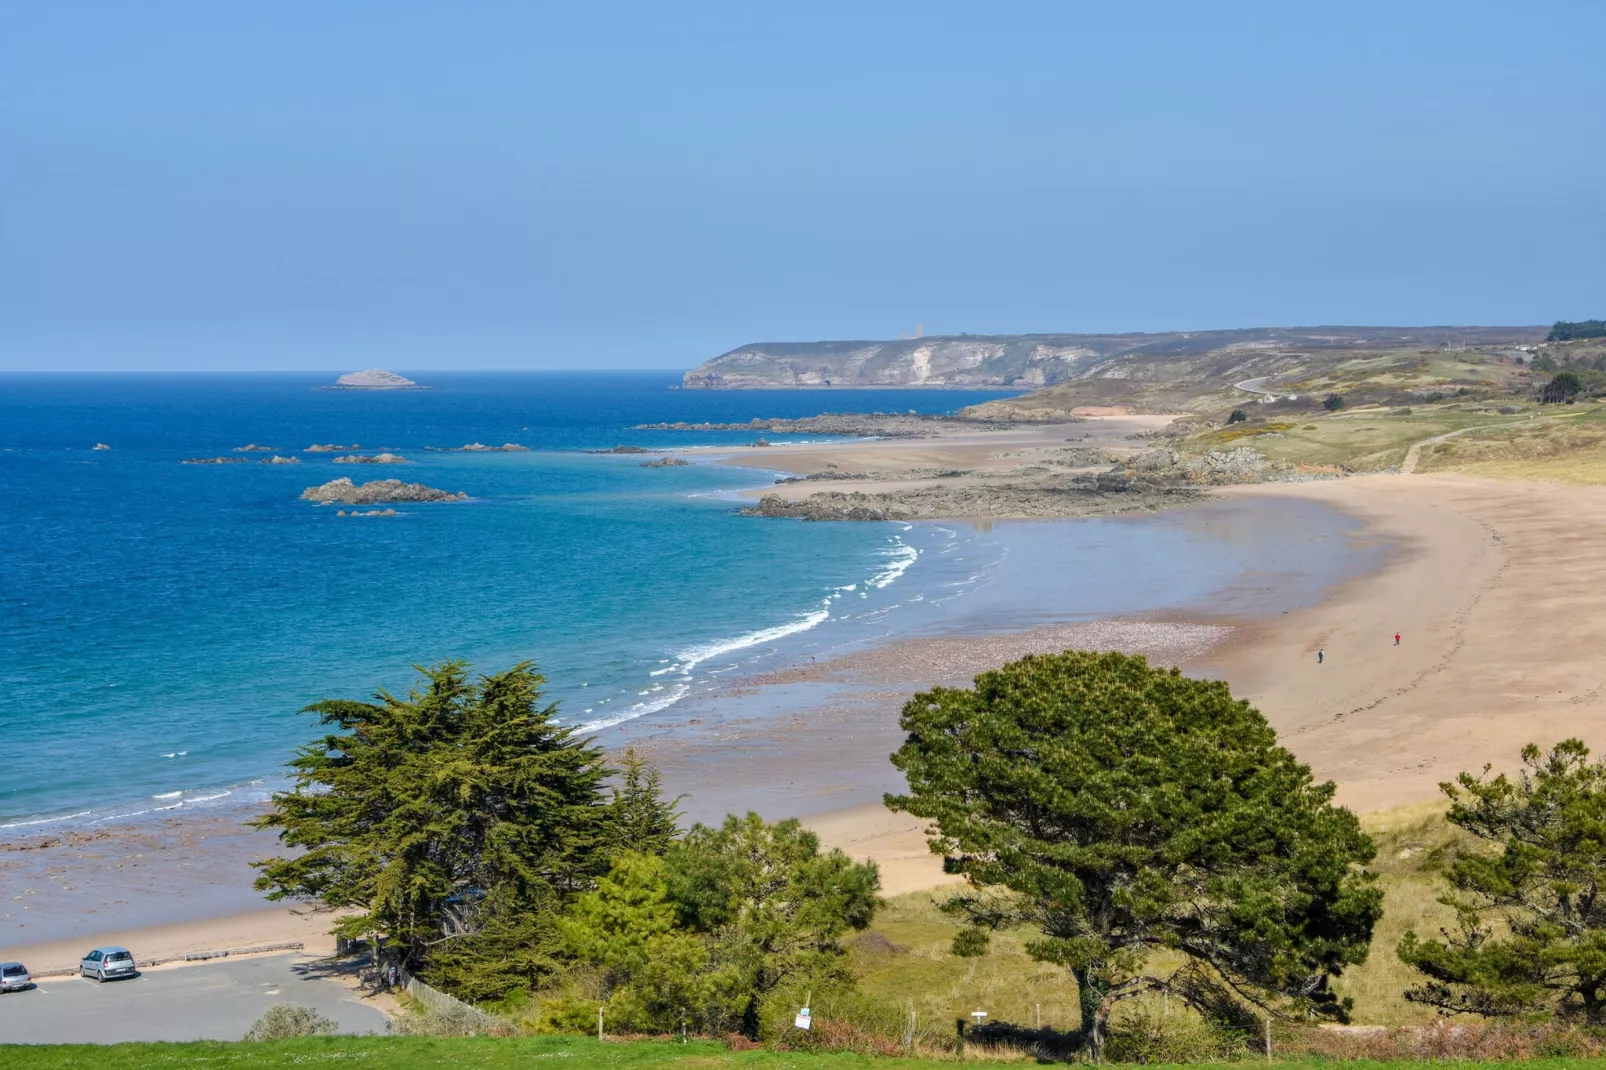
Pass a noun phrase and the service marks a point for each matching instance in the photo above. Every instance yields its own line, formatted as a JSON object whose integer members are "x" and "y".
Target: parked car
{"x": 14, "y": 977}
{"x": 105, "y": 963}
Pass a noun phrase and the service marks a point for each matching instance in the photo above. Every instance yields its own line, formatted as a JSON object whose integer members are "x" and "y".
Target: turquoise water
{"x": 164, "y": 622}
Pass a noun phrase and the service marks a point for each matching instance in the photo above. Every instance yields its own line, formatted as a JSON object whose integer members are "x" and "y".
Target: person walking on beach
{"x": 1320, "y": 655}
{"x": 1396, "y": 638}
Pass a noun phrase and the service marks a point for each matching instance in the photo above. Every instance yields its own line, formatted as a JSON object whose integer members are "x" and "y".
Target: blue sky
{"x": 524, "y": 185}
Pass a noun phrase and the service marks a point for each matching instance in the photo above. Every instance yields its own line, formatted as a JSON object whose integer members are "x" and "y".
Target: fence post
{"x": 599, "y": 1025}
{"x": 1268, "y": 1039}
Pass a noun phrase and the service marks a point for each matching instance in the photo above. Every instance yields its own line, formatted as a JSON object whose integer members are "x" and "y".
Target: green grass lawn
{"x": 573, "y": 1053}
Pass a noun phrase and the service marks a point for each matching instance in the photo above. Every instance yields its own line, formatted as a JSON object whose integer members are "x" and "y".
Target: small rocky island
{"x": 377, "y": 458}
{"x": 666, "y": 462}
{"x": 480, "y": 447}
{"x": 378, "y": 492}
{"x": 373, "y": 379}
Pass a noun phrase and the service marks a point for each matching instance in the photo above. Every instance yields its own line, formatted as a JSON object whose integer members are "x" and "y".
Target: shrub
{"x": 285, "y": 1020}
{"x": 1238, "y": 416}
{"x": 1333, "y": 402}
{"x": 1148, "y": 1036}
{"x": 450, "y": 1022}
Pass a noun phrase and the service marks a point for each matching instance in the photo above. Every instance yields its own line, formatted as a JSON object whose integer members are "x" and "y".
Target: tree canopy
{"x": 726, "y": 917}
{"x": 1563, "y": 387}
{"x": 453, "y": 824}
{"x": 1530, "y": 931}
{"x": 1125, "y": 811}
{"x": 1563, "y": 331}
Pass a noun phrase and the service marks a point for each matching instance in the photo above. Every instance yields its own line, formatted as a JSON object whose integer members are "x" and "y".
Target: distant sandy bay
{"x": 1495, "y": 589}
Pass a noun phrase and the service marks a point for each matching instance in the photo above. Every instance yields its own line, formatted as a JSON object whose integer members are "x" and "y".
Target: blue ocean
{"x": 164, "y": 623}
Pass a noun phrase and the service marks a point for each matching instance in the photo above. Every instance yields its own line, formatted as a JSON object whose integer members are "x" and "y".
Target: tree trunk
{"x": 1091, "y": 989}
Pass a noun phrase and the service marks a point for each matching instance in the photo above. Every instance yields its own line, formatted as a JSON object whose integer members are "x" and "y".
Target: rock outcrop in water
{"x": 862, "y": 424}
{"x": 666, "y": 462}
{"x": 378, "y": 458}
{"x": 276, "y": 459}
{"x": 215, "y": 460}
{"x": 476, "y": 447}
{"x": 373, "y": 379}
{"x": 379, "y": 492}
{"x": 330, "y": 447}
{"x": 1081, "y": 497}
{"x": 252, "y": 447}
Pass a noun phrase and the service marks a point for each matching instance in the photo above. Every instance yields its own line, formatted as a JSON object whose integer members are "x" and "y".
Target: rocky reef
{"x": 378, "y": 492}
{"x": 859, "y": 424}
{"x": 666, "y": 462}
{"x": 215, "y": 460}
{"x": 252, "y": 447}
{"x": 330, "y": 447}
{"x": 373, "y": 379}
{"x": 276, "y": 459}
{"x": 476, "y": 447}
{"x": 377, "y": 458}
{"x": 620, "y": 449}
{"x": 1072, "y": 498}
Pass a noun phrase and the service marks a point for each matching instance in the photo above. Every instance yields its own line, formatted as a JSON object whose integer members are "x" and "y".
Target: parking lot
{"x": 210, "y": 1001}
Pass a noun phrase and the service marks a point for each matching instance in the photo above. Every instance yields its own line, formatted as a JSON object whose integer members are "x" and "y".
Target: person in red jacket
{"x": 1396, "y": 638}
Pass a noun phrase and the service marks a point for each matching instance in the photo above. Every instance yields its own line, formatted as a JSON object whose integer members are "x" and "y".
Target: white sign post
{"x": 802, "y": 1021}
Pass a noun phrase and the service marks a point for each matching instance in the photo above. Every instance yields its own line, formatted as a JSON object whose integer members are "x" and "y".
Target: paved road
{"x": 210, "y": 1001}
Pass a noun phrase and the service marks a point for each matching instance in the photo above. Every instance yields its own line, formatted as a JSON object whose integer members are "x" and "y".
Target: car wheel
{"x": 100, "y": 977}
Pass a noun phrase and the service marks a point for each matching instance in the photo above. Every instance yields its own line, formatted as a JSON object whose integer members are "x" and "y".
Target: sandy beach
{"x": 1491, "y": 585}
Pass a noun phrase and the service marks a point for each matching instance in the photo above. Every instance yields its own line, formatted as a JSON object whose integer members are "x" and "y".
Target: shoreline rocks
{"x": 621, "y": 449}
{"x": 666, "y": 462}
{"x": 857, "y": 424}
{"x": 378, "y": 492}
{"x": 1080, "y": 498}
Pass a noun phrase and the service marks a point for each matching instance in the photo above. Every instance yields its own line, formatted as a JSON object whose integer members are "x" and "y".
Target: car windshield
{"x": 15, "y": 971}
{"x": 119, "y": 956}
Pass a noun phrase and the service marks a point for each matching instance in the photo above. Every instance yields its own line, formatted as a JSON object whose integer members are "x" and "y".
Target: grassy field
{"x": 1359, "y": 440}
{"x": 1567, "y": 447}
{"x": 905, "y": 956}
{"x": 574, "y": 1053}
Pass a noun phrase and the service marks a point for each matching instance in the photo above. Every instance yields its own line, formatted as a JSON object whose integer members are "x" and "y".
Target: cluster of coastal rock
{"x": 476, "y": 447}
{"x": 1152, "y": 479}
{"x": 275, "y": 459}
{"x": 377, "y": 458}
{"x": 380, "y": 491}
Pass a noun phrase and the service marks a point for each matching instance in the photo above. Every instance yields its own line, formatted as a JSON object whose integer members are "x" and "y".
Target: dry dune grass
{"x": 1572, "y": 450}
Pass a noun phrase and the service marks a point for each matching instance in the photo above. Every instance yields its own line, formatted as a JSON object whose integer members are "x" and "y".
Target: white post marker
{"x": 978, "y": 1015}
{"x": 802, "y": 1021}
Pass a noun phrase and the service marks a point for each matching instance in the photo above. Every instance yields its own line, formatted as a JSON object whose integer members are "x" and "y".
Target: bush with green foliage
{"x": 1531, "y": 914}
{"x": 284, "y": 1020}
{"x": 723, "y": 920}
{"x": 1333, "y": 402}
{"x": 1563, "y": 387}
{"x": 453, "y": 825}
{"x": 1237, "y": 416}
{"x": 1131, "y": 815}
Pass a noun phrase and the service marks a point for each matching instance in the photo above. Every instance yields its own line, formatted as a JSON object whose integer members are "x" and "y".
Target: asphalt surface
{"x": 207, "y": 1001}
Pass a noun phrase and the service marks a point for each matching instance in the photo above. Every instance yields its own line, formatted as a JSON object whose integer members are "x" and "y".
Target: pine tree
{"x": 1131, "y": 814}
{"x": 452, "y": 824}
{"x": 1531, "y": 915}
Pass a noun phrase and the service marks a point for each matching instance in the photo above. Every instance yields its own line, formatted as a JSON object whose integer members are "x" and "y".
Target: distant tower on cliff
{"x": 920, "y": 330}
{"x": 903, "y": 336}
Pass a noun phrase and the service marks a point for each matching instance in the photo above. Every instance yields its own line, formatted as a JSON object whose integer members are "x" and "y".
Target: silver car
{"x": 105, "y": 963}
{"x": 14, "y": 977}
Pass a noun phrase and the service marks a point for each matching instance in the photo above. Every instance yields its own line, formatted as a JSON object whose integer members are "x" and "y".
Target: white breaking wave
{"x": 903, "y": 556}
